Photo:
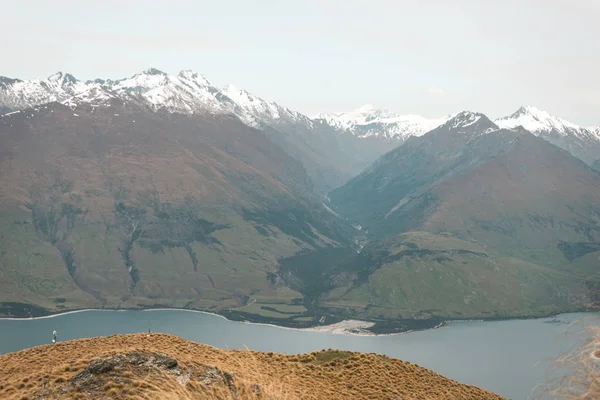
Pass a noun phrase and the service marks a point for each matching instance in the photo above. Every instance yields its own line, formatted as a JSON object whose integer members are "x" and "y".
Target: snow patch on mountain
{"x": 94, "y": 95}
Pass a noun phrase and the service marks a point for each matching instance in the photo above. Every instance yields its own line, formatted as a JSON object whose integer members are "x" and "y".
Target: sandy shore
{"x": 347, "y": 327}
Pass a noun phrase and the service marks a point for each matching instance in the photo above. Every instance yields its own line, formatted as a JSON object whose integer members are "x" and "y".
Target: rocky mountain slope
{"x": 167, "y": 367}
{"x": 107, "y": 203}
{"x": 469, "y": 220}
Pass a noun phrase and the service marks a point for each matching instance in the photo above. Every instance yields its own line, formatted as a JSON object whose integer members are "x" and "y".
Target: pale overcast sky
{"x": 428, "y": 57}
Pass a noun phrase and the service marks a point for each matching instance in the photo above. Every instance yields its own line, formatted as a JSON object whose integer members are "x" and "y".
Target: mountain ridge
{"x": 333, "y": 147}
{"x": 61, "y": 85}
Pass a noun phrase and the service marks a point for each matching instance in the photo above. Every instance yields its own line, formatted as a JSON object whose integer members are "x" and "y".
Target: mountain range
{"x": 190, "y": 93}
{"x": 165, "y": 190}
{"x": 333, "y": 147}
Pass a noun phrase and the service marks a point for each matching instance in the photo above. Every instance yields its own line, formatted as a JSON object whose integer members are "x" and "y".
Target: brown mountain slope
{"x": 113, "y": 205}
{"x": 167, "y": 367}
{"x": 534, "y": 201}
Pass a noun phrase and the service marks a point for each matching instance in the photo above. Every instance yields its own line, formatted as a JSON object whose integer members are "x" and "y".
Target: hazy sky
{"x": 429, "y": 57}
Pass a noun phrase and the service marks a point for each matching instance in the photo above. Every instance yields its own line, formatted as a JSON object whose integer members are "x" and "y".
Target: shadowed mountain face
{"x": 467, "y": 221}
{"x": 117, "y": 205}
{"x": 331, "y": 157}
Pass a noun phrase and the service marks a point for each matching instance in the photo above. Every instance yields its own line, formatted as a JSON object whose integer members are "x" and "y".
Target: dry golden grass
{"x": 582, "y": 367}
{"x": 51, "y": 372}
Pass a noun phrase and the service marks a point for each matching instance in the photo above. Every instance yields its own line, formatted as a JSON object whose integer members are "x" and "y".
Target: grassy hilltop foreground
{"x": 163, "y": 366}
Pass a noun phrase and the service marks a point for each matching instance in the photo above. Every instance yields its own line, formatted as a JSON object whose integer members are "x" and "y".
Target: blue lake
{"x": 507, "y": 357}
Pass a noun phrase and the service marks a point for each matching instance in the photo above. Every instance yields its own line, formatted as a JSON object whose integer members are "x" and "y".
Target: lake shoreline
{"x": 337, "y": 326}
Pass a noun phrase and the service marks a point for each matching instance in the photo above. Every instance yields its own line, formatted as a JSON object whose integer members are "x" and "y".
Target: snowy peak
{"x": 469, "y": 121}
{"x": 187, "y": 92}
{"x": 540, "y": 122}
{"x": 464, "y": 119}
{"x": 94, "y": 95}
{"x": 154, "y": 71}
{"x": 369, "y": 113}
{"x": 253, "y": 110}
{"x": 243, "y": 98}
{"x": 189, "y": 75}
{"x": 138, "y": 83}
{"x": 363, "y": 115}
{"x": 527, "y": 110}
{"x": 369, "y": 121}
{"x": 5, "y": 81}
{"x": 61, "y": 79}
{"x": 17, "y": 94}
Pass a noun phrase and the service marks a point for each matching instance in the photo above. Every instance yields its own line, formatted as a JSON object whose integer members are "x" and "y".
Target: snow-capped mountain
{"x": 187, "y": 92}
{"x": 540, "y": 122}
{"x": 583, "y": 143}
{"x": 469, "y": 122}
{"x": 256, "y": 111}
{"x": 17, "y": 94}
{"x": 368, "y": 121}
